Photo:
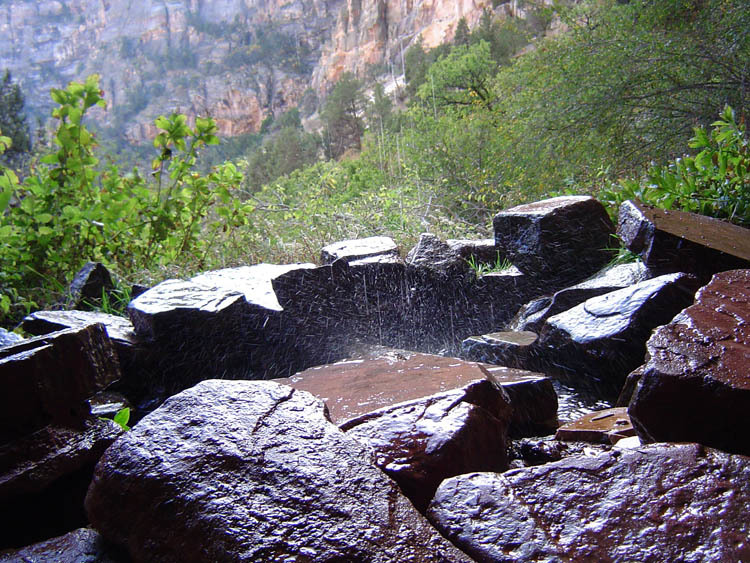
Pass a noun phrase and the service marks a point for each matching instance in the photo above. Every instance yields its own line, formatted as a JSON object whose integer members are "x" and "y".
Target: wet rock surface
{"x": 516, "y": 349}
{"x": 420, "y": 443}
{"x": 47, "y": 379}
{"x": 383, "y": 377}
{"x": 695, "y": 385}
{"x": 247, "y": 470}
{"x": 357, "y": 249}
{"x": 607, "y": 426}
{"x": 561, "y": 240}
{"x": 7, "y": 338}
{"x": 482, "y": 251}
{"x": 664, "y": 502}
{"x": 44, "y": 477}
{"x": 88, "y": 285}
{"x": 83, "y": 545}
{"x": 435, "y": 257}
{"x": 677, "y": 241}
{"x": 602, "y": 339}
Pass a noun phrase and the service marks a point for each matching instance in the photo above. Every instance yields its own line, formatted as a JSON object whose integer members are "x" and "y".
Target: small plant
{"x": 483, "y": 268}
{"x": 121, "y": 418}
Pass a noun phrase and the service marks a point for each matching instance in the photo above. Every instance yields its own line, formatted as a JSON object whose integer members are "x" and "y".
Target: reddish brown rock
{"x": 562, "y": 239}
{"x": 48, "y": 379}
{"x": 664, "y": 502}
{"x": 606, "y": 427}
{"x": 419, "y": 443}
{"x": 253, "y": 471}
{"x": 676, "y": 241}
{"x": 44, "y": 477}
{"x": 385, "y": 377}
{"x": 695, "y": 385}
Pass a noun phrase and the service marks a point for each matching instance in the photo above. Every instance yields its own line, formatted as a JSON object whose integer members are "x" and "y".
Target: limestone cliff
{"x": 235, "y": 60}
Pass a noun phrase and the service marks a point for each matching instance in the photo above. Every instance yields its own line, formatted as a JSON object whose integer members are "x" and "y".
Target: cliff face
{"x": 235, "y": 60}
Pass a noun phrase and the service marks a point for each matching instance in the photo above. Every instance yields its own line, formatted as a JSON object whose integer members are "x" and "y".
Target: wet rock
{"x": 533, "y": 315}
{"x": 561, "y": 240}
{"x": 48, "y": 379}
{"x": 420, "y": 443}
{"x": 665, "y": 502}
{"x": 608, "y": 427}
{"x": 529, "y": 452}
{"x": 258, "y": 473}
{"x": 514, "y": 349}
{"x": 435, "y": 257}
{"x": 695, "y": 385}
{"x": 482, "y": 251}
{"x": 7, "y": 338}
{"x": 603, "y": 339}
{"x": 83, "y": 545}
{"x": 44, "y": 477}
{"x": 351, "y": 250}
{"x": 88, "y": 286}
{"x": 677, "y": 241}
{"x": 381, "y": 378}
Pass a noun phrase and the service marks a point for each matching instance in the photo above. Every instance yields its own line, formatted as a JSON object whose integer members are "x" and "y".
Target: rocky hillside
{"x": 236, "y": 60}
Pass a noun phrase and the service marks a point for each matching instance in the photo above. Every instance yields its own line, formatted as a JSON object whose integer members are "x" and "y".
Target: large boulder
{"x": 677, "y": 241}
{"x": 44, "y": 477}
{"x": 83, "y": 545}
{"x": 601, "y": 340}
{"x": 664, "y": 502}
{"x": 48, "y": 379}
{"x": 560, "y": 240}
{"x": 250, "y": 471}
{"x": 695, "y": 385}
{"x": 419, "y": 443}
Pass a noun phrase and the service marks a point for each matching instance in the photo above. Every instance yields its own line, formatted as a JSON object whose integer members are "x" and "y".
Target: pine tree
{"x": 13, "y": 121}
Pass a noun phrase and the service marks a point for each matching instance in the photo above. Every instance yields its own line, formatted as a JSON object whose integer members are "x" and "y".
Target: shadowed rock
{"x": 482, "y": 251}
{"x": 89, "y": 285}
{"x": 44, "y": 477}
{"x": 561, "y": 240}
{"x": 47, "y": 379}
{"x": 677, "y": 241}
{"x": 664, "y": 502}
{"x": 515, "y": 349}
{"x": 79, "y": 546}
{"x": 351, "y": 250}
{"x": 249, "y": 471}
{"x": 695, "y": 385}
{"x": 419, "y": 443}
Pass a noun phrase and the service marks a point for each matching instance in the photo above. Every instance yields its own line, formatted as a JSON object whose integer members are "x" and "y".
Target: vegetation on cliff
{"x": 478, "y": 128}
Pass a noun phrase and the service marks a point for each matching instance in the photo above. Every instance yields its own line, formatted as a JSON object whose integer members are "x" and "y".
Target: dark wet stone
{"x": 48, "y": 379}
{"x": 252, "y": 471}
{"x": 481, "y": 251}
{"x": 529, "y": 452}
{"x": 108, "y": 403}
{"x": 435, "y": 257}
{"x": 607, "y": 427}
{"x": 695, "y": 385}
{"x": 533, "y": 315}
{"x": 515, "y": 349}
{"x": 88, "y": 285}
{"x": 603, "y": 339}
{"x": 677, "y": 241}
{"x": 419, "y": 443}
{"x": 561, "y": 240}
{"x": 44, "y": 477}
{"x": 7, "y": 338}
{"x": 351, "y": 250}
{"x": 83, "y": 545}
{"x": 382, "y": 378}
{"x": 664, "y": 502}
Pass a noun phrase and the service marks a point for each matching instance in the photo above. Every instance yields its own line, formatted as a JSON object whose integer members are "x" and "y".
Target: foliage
{"x": 342, "y": 114}
{"x": 13, "y": 122}
{"x": 121, "y": 418}
{"x": 69, "y": 210}
{"x": 715, "y": 182}
{"x": 483, "y": 268}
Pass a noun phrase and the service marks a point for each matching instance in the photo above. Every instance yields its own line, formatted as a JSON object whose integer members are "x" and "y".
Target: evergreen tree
{"x": 342, "y": 114}
{"x": 462, "y": 34}
{"x": 13, "y": 121}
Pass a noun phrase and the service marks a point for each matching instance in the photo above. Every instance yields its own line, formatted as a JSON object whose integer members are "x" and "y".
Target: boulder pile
{"x": 420, "y": 409}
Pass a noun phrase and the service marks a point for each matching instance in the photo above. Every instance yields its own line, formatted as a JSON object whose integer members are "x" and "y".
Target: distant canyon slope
{"x": 235, "y": 60}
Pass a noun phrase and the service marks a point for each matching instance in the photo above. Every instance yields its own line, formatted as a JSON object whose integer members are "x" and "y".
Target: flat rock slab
{"x": 695, "y": 385}
{"x": 664, "y": 502}
{"x": 419, "y": 443}
{"x": 119, "y": 329}
{"x": 607, "y": 427}
{"x": 357, "y": 249}
{"x": 47, "y": 379}
{"x": 677, "y": 241}
{"x": 562, "y": 238}
{"x": 83, "y": 545}
{"x": 252, "y": 471}
{"x": 387, "y": 377}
